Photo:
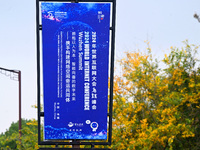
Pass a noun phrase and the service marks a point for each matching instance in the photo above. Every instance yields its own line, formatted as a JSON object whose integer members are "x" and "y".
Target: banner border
{"x": 40, "y": 113}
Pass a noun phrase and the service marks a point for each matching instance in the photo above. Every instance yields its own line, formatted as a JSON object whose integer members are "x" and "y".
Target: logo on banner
{"x": 70, "y": 124}
{"x": 100, "y": 16}
{"x": 50, "y": 15}
{"x": 56, "y": 16}
{"x": 93, "y": 125}
{"x": 88, "y": 122}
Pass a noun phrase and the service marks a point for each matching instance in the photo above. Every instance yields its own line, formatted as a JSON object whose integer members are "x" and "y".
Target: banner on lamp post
{"x": 75, "y": 41}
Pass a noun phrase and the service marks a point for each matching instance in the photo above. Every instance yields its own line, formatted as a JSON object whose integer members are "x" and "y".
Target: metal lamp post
{"x": 15, "y": 75}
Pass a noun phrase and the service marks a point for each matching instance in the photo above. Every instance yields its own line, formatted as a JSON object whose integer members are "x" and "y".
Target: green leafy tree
{"x": 158, "y": 108}
{"x": 29, "y": 140}
{"x": 10, "y": 139}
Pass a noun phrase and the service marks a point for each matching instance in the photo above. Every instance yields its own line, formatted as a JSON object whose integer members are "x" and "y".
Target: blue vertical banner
{"x": 75, "y": 39}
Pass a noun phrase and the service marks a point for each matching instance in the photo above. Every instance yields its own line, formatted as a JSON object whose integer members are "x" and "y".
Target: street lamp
{"x": 15, "y": 75}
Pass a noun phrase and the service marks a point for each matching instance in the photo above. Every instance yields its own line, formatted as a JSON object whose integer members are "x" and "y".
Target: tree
{"x": 10, "y": 139}
{"x": 158, "y": 108}
{"x": 29, "y": 141}
{"x": 154, "y": 108}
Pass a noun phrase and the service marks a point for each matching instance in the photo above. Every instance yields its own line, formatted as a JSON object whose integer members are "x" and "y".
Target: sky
{"x": 163, "y": 23}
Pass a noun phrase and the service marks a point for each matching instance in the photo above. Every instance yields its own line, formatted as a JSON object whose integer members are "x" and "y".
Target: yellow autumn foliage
{"x": 157, "y": 108}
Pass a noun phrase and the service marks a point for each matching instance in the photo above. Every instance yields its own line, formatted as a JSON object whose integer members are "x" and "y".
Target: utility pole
{"x": 15, "y": 75}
